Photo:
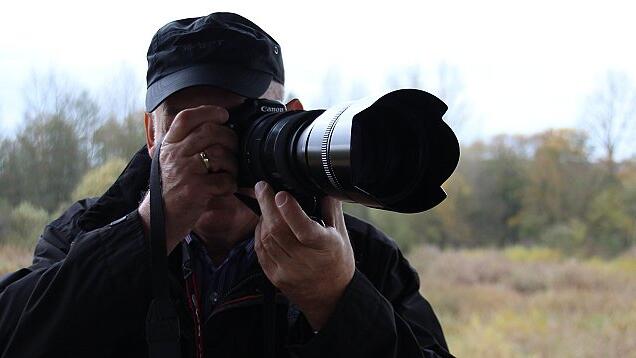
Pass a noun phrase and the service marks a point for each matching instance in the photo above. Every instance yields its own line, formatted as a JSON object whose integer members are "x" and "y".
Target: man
{"x": 344, "y": 290}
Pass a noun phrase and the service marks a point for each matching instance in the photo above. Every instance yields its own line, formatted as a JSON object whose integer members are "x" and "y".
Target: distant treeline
{"x": 540, "y": 189}
{"x": 565, "y": 188}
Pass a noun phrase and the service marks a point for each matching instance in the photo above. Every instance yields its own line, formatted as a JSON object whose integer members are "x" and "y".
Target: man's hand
{"x": 310, "y": 264}
{"x": 187, "y": 185}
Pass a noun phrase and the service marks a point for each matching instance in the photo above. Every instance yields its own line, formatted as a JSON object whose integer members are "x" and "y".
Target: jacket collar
{"x": 123, "y": 196}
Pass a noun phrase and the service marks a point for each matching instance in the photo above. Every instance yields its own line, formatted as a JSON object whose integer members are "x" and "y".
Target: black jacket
{"x": 88, "y": 290}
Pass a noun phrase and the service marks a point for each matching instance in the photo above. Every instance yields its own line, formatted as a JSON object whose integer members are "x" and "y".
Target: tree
{"x": 497, "y": 175}
{"x": 97, "y": 180}
{"x": 53, "y": 95}
{"x": 44, "y": 163}
{"x": 444, "y": 82}
{"x": 610, "y": 118}
{"x": 450, "y": 89}
{"x": 612, "y": 228}
{"x": 562, "y": 181}
{"x": 121, "y": 96}
{"x": 119, "y": 138}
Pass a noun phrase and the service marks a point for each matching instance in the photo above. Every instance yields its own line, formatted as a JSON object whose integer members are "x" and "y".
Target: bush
{"x": 96, "y": 181}
{"x": 5, "y": 212}
{"x": 25, "y": 225}
{"x": 569, "y": 236}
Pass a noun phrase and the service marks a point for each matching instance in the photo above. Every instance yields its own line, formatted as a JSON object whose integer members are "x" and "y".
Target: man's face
{"x": 224, "y": 213}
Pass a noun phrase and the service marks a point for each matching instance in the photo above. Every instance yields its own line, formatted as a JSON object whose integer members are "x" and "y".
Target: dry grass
{"x": 13, "y": 257}
{"x": 531, "y": 302}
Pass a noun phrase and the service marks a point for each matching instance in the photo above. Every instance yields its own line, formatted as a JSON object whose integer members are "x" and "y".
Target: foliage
{"x": 549, "y": 188}
{"x": 119, "y": 138}
{"x": 541, "y": 189}
{"x": 25, "y": 225}
{"x": 96, "y": 181}
{"x": 37, "y": 168}
{"x": 532, "y": 254}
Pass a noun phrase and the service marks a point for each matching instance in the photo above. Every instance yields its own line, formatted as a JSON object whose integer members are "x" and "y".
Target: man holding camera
{"x": 343, "y": 289}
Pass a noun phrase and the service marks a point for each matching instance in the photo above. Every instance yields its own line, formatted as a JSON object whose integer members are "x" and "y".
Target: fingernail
{"x": 259, "y": 187}
{"x": 280, "y": 198}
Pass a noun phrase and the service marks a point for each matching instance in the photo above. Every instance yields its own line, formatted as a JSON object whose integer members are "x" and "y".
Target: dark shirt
{"x": 215, "y": 280}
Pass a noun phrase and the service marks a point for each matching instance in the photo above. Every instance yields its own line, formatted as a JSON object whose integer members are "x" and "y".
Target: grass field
{"x": 517, "y": 302}
{"x": 531, "y": 302}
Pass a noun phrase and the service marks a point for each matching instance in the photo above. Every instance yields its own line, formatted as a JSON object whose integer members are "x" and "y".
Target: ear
{"x": 150, "y": 132}
{"x": 294, "y": 105}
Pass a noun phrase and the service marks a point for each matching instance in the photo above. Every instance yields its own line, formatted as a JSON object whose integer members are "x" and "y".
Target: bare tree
{"x": 122, "y": 94}
{"x": 450, "y": 89}
{"x": 53, "y": 95}
{"x": 610, "y": 117}
{"x": 444, "y": 82}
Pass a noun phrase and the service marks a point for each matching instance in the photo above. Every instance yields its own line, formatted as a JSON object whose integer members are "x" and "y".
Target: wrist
{"x": 318, "y": 308}
{"x": 144, "y": 215}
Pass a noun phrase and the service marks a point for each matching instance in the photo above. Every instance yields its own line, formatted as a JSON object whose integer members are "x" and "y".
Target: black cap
{"x": 222, "y": 49}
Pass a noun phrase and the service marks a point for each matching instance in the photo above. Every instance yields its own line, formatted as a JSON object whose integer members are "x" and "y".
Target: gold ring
{"x": 206, "y": 161}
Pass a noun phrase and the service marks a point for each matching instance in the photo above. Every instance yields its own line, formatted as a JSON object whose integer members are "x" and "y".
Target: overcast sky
{"x": 525, "y": 66}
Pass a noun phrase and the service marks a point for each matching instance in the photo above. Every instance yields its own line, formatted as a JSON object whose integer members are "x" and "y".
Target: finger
{"x": 189, "y": 119}
{"x": 275, "y": 251}
{"x": 257, "y": 236}
{"x": 220, "y": 159}
{"x": 214, "y": 184}
{"x": 222, "y": 184}
{"x": 265, "y": 197}
{"x": 207, "y": 135}
{"x": 332, "y": 212}
{"x": 288, "y": 242}
{"x": 267, "y": 263}
{"x": 303, "y": 227}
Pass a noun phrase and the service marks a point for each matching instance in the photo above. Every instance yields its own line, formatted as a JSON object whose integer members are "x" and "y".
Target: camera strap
{"x": 162, "y": 322}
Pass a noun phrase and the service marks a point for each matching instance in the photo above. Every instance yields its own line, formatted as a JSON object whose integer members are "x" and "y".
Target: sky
{"x": 523, "y": 66}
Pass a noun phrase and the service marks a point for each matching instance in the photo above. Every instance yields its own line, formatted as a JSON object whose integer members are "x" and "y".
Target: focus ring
{"x": 324, "y": 150}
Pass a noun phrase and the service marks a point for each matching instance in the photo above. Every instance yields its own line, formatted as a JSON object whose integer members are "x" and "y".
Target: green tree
{"x": 97, "y": 180}
{"x": 562, "y": 181}
{"x": 119, "y": 138}
{"x": 43, "y": 163}
{"x": 612, "y": 227}
{"x": 497, "y": 175}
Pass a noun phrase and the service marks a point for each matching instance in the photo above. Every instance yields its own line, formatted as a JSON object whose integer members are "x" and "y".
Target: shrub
{"x": 98, "y": 180}
{"x": 569, "y": 236}
{"x": 25, "y": 224}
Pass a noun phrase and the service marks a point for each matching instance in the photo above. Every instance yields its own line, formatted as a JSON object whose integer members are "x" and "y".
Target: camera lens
{"x": 391, "y": 152}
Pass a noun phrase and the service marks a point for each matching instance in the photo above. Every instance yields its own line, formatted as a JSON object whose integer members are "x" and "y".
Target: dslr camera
{"x": 391, "y": 152}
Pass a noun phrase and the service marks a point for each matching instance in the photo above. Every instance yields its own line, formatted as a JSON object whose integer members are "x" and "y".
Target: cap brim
{"x": 244, "y": 82}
